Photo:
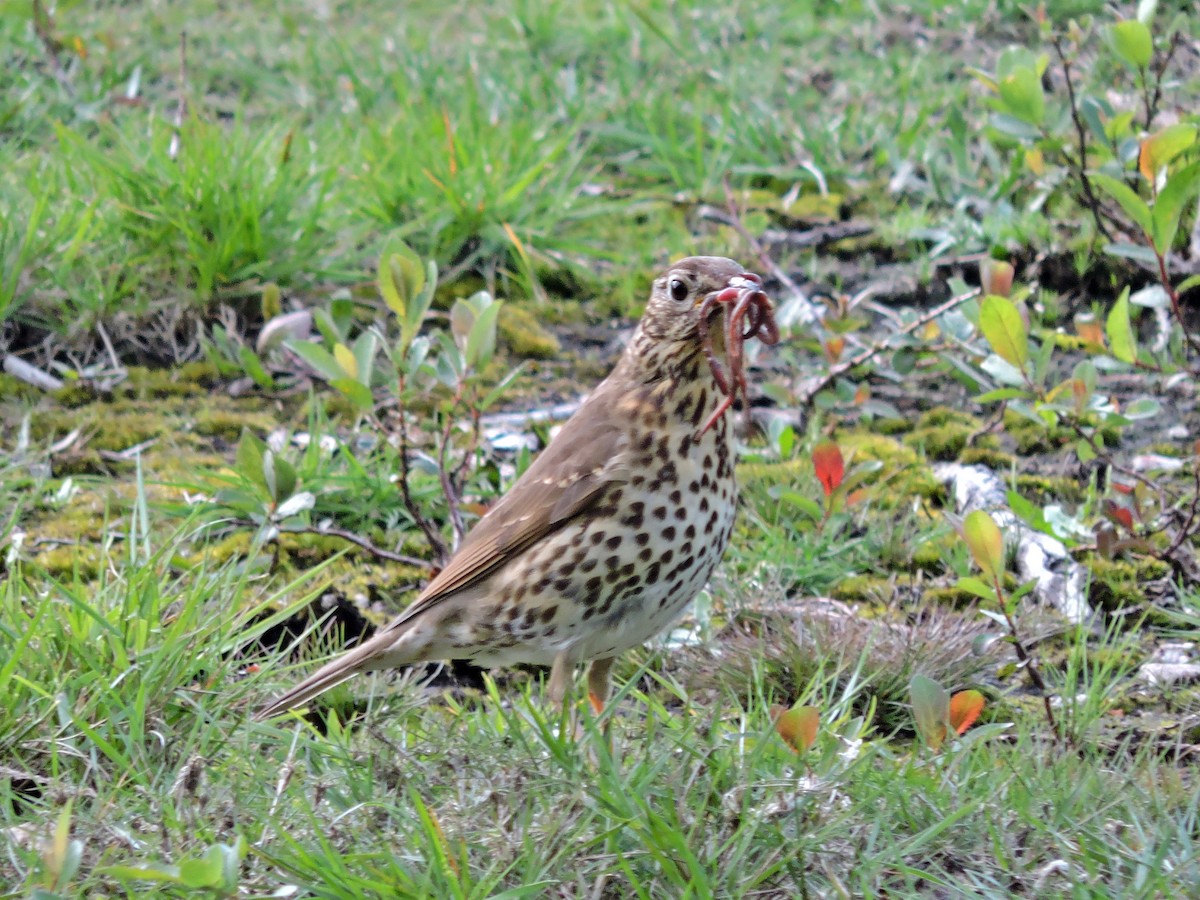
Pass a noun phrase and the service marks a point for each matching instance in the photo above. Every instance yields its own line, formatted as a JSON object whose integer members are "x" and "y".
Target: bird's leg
{"x": 562, "y": 673}
{"x": 598, "y": 683}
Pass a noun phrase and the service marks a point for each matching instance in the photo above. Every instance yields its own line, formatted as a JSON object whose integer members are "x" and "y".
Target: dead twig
{"x": 1091, "y": 201}
{"x": 879, "y": 346}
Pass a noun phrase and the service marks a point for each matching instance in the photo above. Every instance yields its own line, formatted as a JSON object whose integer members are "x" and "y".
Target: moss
{"x": 82, "y": 562}
{"x": 994, "y": 459}
{"x": 15, "y": 389}
{"x": 891, "y": 426}
{"x": 120, "y": 432}
{"x": 524, "y": 335}
{"x": 228, "y": 423}
{"x": 949, "y": 596}
{"x": 863, "y": 589}
{"x": 942, "y": 433}
{"x": 1120, "y": 584}
{"x": 74, "y": 394}
{"x": 1042, "y": 489}
{"x": 945, "y": 415}
{"x": 145, "y": 383}
{"x": 1032, "y": 437}
{"x": 904, "y": 474}
{"x": 943, "y": 443}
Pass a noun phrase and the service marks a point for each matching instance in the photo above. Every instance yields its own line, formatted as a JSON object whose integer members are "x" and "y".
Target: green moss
{"x": 863, "y": 589}
{"x": 82, "y": 562}
{"x": 524, "y": 335}
{"x": 15, "y": 389}
{"x": 942, "y": 434}
{"x": 945, "y": 415}
{"x": 996, "y": 460}
{"x": 74, "y": 394}
{"x": 1119, "y": 584}
{"x": 943, "y": 443}
{"x": 948, "y": 596}
{"x": 1042, "y": 489}
{"x": 1032, "y": 437}
{"x": 227, "y": 423}
{"x": 891, "y": 426}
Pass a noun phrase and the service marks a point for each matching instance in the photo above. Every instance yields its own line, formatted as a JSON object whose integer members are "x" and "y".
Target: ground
{"x": 157, "y": 586}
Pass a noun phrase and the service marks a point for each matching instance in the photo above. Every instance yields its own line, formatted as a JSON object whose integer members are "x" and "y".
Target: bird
{"x": 614, "y": 529}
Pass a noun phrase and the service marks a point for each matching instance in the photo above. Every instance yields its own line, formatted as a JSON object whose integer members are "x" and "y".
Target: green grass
{"x": 144, "y": 730}
{"x": 531, "y": 141}
{"x": 544, "y": 150}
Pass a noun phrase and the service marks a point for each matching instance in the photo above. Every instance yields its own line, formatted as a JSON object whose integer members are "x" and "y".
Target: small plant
{"x": 395, "y": 374}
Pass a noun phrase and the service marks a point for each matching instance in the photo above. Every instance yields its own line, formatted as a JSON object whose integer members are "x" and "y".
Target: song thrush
{"x": 616, "y": 526}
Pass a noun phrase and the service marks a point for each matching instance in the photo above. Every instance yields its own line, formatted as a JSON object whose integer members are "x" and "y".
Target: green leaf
{"x": 279, "y": 475}
{"x": 317, "y": 358}
{"x": 1021, "y": 93}
{"x": 931, "y": 710}
{"x": 355, "y": 391}
{"x": 1091, "y": 109}
{"x": 401, "y": 277}
{"x": 1000, "y": 394}
{"x": 1121, "y": 339}
{"x": 1163, "y": 146}
{"x": 364, "y": 355}
{"x": 1176, "y": 194}
{"x": 1135, "y": 207}
{"x": 805, "y": 505}
{"x": 1142, "y": 408}
{"x": 345, "y": 360}
{"x": 200, "y": 873}
{"x": 985, "y": 542}
{"x": 1133, "y": 251}
{"x": 1001, "y": 324}
{"x": 253, "y": 367}
{"x": 1132, "y": 42}
{"x": 978, "y": 588}
{"x": 419, "y": 305}
{"x": 248, "y": 461}
{"x": 481, "y": 342}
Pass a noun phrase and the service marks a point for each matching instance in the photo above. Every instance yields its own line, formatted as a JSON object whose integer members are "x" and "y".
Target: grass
{"x": 145, "y": 732}
{"x": 535, "y": 149}
{"x": 556, "y": 153}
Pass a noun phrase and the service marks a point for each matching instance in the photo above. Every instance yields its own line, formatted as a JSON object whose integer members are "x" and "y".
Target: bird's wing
{"x": 569, "y": 475}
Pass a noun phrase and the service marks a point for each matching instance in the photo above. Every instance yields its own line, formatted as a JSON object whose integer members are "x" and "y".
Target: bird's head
{"x": 673, "y": 313}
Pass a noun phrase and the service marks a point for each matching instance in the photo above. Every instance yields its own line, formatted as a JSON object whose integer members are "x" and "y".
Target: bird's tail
{"x": 367, "y": 656}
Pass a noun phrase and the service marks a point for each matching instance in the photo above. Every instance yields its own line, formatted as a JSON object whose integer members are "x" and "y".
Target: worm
{"x": 751, "y": 315}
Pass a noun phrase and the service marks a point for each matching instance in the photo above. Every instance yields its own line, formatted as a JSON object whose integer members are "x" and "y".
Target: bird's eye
{"x": 679, "y": 290}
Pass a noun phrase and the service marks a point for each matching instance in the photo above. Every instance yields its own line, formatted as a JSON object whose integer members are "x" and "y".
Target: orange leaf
{"x": 834, "y": 347}
{"x": 797, "y": 726}
{"x": 861, "y": 394}
{"x": 965, "y": 707}
{"x": 829, "y": 465}
{"x": 996, "y": 277}
{"x": 1088, "y": 327}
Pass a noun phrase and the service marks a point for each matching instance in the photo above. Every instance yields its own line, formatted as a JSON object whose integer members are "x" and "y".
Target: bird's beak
{"x": 733, "y": 289}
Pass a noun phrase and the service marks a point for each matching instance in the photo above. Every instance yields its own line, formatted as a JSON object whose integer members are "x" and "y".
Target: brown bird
{"x": 614, "y": 529}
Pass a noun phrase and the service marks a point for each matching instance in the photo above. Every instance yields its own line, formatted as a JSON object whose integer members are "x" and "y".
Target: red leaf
{"x": 829, "y": 465}
{"x": 965, "y": 707}
{"x": 1123, "y": 515}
